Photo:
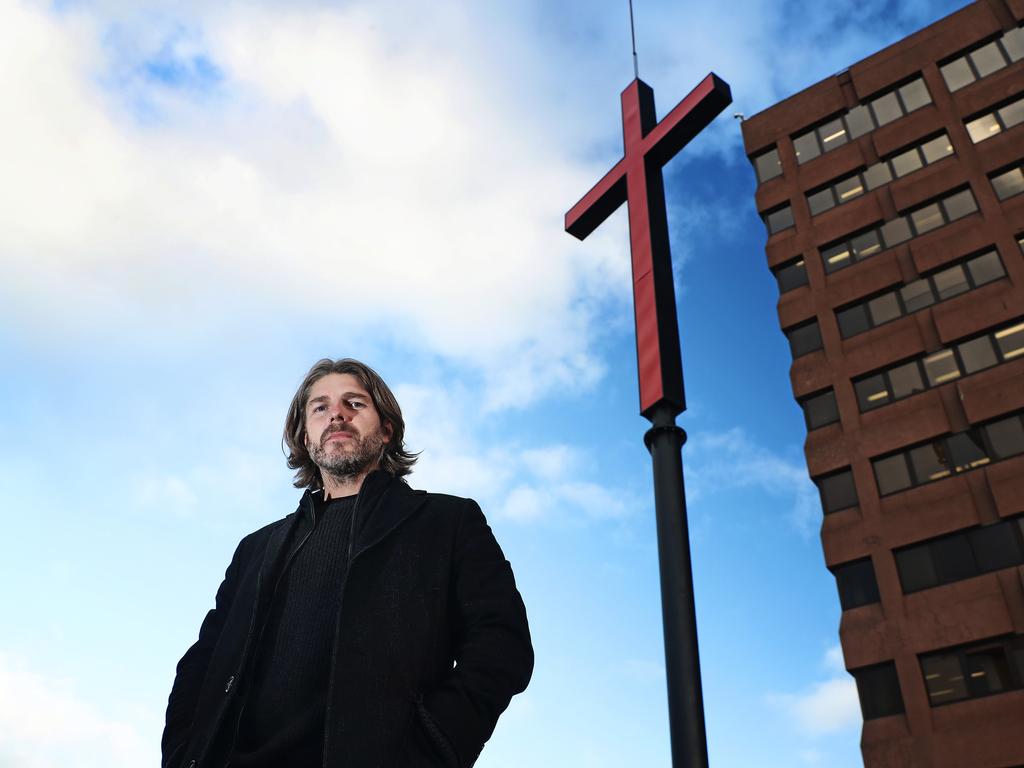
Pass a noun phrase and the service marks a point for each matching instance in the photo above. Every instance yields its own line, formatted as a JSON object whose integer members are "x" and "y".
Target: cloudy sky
{"x": 199, "y": 200}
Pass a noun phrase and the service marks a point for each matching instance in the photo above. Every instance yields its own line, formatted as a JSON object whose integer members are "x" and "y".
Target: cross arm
{"x": 688, "y": 118}
{"x": 598, "y": 204}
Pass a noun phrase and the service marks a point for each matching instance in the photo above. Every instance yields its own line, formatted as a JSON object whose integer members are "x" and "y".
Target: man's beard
{"x": 356, "y": 455}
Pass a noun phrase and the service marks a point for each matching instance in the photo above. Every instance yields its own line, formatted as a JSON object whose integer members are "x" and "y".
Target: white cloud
{"x": 345, "y": 164}
{"x": 514, "y": 481}
{"x": 826, "y": 706}
{"x": 717, "y": 462}
{"x": 45, "y": 723}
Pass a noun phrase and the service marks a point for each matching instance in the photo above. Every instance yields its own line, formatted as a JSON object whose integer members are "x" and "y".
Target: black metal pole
{"x": 682, "y": 661}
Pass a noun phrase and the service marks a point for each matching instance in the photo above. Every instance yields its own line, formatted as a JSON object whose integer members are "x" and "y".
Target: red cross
{"x": 648, "y": 145}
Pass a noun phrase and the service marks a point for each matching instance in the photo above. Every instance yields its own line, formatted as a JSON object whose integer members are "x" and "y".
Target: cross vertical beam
{"x": 637, "y": 180}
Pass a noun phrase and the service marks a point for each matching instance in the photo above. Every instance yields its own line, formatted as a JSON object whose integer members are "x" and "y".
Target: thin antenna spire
{"x": 632, "y": 34}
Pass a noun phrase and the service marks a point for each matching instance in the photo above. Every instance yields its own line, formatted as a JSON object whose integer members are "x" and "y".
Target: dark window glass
{"x": 984, "y": 127}
{"x": 930, "y": 462}
{"x": 884, "y": 308}
{"x": 837, "y": 491}
{"x": 906, "y": 380}
{"x": 906, "y": 162}
{"x": 926, "y": 219}
{"x": 866, "y": 244}
{"x": 850, "y": 188}
{"x": 835, "y": 256}
{"x": 1012, "y": 114}
{"x": 877, "y": 175}
{"x": 872, "y": 392}
{"x": 791, "y": 275}
{"x": 780, "y": 219}
{"x": 957, "y": 74}
{"x": 941, "y": 367}
{"x": 985, "y": 268}
{"x": 966, "y": 451}
{"x": 896, "y": 231}
{"x": 832, "y": 134}
{"x": 1011, "y": 341}
{"x": 821, "y": 409}
{"x": 768, "y": 165}
{"x": 996, "y": 546}
{"x": 950, "y": 282}
{"x": 878, "y": 688}
{"x": 1008, "y": 184}
{"x": 987, "y": 59}
{"x": 806, "y": 147}
{"x": 987, "y": 670}
{"x": 804, "y": 339}
{"x": 856, "y": 583}
{"x": 886, "y": 108}
{"x": 959, "y": 205}
{"x": 821, "y": 201}
{"x": 892, "y": 474}
{"x": 953, "y": 559}
{"x": 858, "y": 121}
{"x": 977, "y": 354}
{"x": 916, "y": 569}
{"x": 915, "y": 95}
{"x": 944, "y": 678}
{"x": 853, "y": 320}
{"x": 917, "y": 295}
{"x": 937, "y": 148}
{"x": 1006, "y": 437}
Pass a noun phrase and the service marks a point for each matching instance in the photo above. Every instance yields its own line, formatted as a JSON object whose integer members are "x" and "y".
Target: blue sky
{"x": 200, "y": 200}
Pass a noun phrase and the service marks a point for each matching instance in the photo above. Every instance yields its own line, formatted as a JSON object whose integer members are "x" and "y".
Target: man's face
{"x": 344, "y": 434}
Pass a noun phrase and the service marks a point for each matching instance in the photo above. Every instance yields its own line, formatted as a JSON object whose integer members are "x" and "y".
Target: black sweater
{"x": 283, "y": 713}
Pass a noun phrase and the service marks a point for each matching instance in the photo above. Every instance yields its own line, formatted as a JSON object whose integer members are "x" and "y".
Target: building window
{"x": 950, "y": 207}
{"x": 1008, "y": 183}
{"x": 837, "y": 491}
{"x": 984, "y": 60}
{"x": 897, "y": 165}
{"x": 856, "y": 584}
{"x": 961, "y": 555}
{"x": 860, "y": 120}
{"x": 820, "y": 409}
{"x": 767, "y": 165}
{"x": 996, "y": 121}
{"x": 804, "y": 338}
{"x": 878, "y": 688}
{"x": 779, "y": 219}
{"x": 952, "y": 454}
{"x": 975, "y": 670}
{"x": 791, "y": 275}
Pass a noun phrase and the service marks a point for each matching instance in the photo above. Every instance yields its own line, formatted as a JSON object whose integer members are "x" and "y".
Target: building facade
{"x": 893, "y": 194}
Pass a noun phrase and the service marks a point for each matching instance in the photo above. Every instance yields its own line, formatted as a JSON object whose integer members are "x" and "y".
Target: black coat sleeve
{"x": 494, "y": 656}
{"x": 191, "y": 669}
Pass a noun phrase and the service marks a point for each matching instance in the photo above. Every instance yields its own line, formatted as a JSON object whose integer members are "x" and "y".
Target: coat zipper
{"x": 266, "y": 618}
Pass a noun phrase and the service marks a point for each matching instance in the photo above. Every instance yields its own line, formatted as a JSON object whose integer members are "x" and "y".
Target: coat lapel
{"x": 384, "y": 503}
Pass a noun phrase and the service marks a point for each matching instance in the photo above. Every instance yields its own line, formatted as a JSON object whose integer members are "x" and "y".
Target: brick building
{"x": 893, "y": 195}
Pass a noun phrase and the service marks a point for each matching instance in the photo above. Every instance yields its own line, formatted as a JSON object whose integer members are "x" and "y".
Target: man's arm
{"x": 191, "y": 670}
{"x": 494, "y": 655}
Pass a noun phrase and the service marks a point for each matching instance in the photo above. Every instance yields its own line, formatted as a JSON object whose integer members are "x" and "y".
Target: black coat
{"x": 432, "y": 640}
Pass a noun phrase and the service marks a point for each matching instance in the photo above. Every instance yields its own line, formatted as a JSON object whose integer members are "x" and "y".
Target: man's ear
{"x": 389, "y": 431}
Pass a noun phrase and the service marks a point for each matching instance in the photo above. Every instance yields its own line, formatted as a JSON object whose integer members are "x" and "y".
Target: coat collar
{"x": 383, "y": 503}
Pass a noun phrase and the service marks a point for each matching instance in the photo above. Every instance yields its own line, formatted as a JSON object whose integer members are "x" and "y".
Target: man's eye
{"x": 319, "y": 408}
{"x": 357, "y": 404}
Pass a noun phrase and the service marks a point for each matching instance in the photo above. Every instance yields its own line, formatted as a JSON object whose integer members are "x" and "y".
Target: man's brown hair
{"x": 395, "y": 460}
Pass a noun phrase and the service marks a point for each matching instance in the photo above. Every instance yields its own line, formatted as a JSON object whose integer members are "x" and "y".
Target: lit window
{"x": 872, "y": 392}
{"x": 1011, "y": 341}
{"x": 941, "y": 367}
{"x": 929, "y": 462}
{"x": 983, "y": 128}
{"x": 832, "y": 134}
{"x": 937, "y": 148}
{"x": 851, "y": 188}
{"x": 791, "y": 275}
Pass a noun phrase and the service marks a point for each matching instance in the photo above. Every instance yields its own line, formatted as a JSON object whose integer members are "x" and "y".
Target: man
{"x": 374, "y": 627}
